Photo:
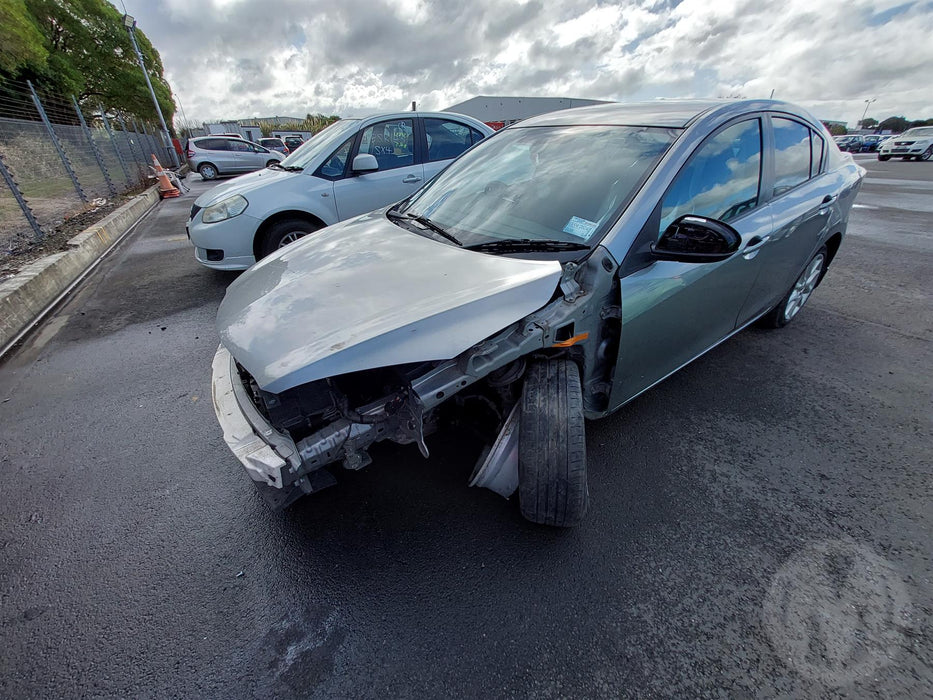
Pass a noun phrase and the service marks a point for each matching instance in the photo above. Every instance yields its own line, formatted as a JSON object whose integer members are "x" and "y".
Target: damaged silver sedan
{"x": 551, "y": 274}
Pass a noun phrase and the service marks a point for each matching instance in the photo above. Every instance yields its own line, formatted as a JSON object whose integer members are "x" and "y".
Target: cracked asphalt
{"x": 760, "y": 523}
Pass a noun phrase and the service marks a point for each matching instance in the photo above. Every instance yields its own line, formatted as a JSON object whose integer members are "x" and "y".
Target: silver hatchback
{"x": 217, "y": 156}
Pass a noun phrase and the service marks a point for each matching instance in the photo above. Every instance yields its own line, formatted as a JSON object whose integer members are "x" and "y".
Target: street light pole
{"x": 867, "y": 104}
{"x": 130, "y": 23}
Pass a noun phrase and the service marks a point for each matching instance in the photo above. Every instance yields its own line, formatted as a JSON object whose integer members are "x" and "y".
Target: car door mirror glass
{"x": 364, "y": 163}
{"x": 697, "y": 239}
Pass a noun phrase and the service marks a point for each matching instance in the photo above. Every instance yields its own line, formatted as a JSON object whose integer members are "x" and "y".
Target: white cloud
{"x": 241, "y": 58}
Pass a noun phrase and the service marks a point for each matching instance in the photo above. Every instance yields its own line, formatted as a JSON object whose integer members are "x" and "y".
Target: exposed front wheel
{"x": 284, "y": 232}
{"x": 552, "y": 488}
{"x": 927, "y": 154}
{"x": 207, "y": 171}
{"x": 271, "y": 162}
{"x": 881, "y": 157}
{"x": 793, "y": 301}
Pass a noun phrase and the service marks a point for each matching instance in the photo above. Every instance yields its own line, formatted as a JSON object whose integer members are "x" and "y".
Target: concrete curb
{"x": 25, "y": 297}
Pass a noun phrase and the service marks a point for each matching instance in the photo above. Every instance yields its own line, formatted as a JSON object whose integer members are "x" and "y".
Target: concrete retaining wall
{"x": 25, "y": 296}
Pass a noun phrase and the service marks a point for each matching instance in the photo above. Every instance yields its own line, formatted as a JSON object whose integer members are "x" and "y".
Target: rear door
{"x": 219, "y": 154}
{"x": 400, "y": 173}
{"x": 803, "y": 197}
{"x": 673, "y": 312}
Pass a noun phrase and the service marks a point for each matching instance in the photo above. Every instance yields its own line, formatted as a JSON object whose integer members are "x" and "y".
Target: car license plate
{"x": 898, "y": 150}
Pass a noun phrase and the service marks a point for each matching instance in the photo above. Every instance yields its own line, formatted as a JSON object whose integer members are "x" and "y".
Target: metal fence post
{"x": 20, "y": 199}
{"x": 129, "y": 144}
{"x": 97, "y": 155}
{"x": 57, "y": 143}
{"x": 149, "y": 142}
{"x": 113, "y": 142}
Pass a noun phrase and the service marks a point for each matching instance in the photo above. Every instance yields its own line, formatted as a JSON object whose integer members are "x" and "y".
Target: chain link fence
{"x": 59, "y": 159}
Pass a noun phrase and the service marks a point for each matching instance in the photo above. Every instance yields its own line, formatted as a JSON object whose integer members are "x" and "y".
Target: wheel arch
{"x": 832, "y": 246}
{"x": 210, "y": 163}
{"x": 281, "y": 216}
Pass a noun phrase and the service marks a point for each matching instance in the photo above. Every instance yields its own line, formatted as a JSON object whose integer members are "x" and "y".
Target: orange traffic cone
{"x": 166, "y": 188}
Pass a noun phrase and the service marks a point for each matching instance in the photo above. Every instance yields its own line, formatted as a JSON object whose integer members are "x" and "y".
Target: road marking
{"x": 863, "y": 206}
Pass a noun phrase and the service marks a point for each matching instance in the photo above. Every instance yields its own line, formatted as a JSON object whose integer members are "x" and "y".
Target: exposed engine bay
{"x": 335, "y": 420}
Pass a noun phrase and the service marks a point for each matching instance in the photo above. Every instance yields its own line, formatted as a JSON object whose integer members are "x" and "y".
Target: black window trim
{"x": 772, "y": 152}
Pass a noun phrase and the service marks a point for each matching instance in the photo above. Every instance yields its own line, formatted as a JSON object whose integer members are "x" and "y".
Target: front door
{"x": 672, "y": 312}
{"x": 400, "y": 171}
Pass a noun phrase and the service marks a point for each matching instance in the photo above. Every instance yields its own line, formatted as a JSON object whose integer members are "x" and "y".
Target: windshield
{"x": 323, "y": 141}
{"x": 919, "y": 131}
{"x": 560, "y": 183}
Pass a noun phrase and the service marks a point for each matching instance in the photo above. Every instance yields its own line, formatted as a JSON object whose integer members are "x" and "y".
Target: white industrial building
{"x": 502, "y": 111}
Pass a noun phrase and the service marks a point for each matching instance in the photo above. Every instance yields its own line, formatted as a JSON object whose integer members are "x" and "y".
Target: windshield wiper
{"x": 289, "y": 168}
{"x": 526, "y": 245}
{"x": 426, "y": 223}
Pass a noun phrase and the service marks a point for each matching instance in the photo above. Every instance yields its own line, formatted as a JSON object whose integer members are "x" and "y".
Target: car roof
{"x": 660, "y": 113}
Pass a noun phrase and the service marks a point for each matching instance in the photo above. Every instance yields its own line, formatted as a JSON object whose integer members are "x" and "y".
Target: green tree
{"x": 88, "y": 54}
{"x": 21, "y": 42}
{"x": 868, "y": 123}
{"x": 894, "y": 124}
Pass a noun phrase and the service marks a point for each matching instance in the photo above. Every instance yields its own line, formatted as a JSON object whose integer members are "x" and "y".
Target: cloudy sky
{"x": 246, "y": 58}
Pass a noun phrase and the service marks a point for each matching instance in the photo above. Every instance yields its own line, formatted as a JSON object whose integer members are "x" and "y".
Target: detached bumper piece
{"x": 269, "y": 457}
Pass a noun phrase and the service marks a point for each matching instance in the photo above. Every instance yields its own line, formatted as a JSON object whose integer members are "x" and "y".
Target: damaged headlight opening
{"x": 225, "y": 209}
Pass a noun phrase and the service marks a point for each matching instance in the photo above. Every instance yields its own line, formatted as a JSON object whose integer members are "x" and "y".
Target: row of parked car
{"x": 913, "y": 144}
{"x": 520, "y": 282}
{"x": 220, "y": 155}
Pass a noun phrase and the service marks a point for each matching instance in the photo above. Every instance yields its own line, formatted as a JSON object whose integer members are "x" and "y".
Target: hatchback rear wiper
{"x": 526, "y": 245}
{"x": 427, "y": 223}
{"x": 289, "y": 168}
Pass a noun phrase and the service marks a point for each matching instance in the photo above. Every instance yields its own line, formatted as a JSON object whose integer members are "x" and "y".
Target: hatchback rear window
{"x": 213, "y": 144}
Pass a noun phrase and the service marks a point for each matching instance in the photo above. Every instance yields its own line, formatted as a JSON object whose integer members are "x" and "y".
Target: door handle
{"x": 754, "y": 245}
{"x": 411, "y": 178}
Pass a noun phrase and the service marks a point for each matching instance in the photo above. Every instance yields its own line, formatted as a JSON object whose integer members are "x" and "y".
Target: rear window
{"x": 213, "y": 144}
{"x": 270, "y": 143}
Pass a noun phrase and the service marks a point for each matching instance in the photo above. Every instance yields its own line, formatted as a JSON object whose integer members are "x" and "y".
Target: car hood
{"x": 366, "y": 293}
{"x": 244, "y": 184}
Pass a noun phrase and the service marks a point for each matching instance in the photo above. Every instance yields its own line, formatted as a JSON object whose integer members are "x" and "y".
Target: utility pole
{"x": 130, "y": 23}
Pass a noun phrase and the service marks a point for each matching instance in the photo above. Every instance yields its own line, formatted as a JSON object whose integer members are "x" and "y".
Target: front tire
{"x": 927, "y": 154}
{"x": 552, "y": 488}
{"x": 270, "y": 162}
{"x": 283, "y": 233}
{"x": 799, "y": 293}
{"x": 882, "y": 158}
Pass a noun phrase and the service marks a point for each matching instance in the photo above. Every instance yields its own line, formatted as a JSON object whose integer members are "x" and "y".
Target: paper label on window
{"x": 581, "y": 228}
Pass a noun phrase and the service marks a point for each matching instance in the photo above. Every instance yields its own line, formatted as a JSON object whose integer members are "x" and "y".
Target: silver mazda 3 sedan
{"x": 550, "y": 274}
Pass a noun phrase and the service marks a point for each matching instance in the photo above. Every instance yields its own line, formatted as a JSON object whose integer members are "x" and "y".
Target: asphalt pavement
{"x": 760, "y": 523}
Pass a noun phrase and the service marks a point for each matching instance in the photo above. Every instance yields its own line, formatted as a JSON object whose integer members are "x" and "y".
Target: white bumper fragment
{"x": 261, "y": 449}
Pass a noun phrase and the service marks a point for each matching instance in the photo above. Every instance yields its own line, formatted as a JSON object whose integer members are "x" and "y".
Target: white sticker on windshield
{"x": 581, "y": 228}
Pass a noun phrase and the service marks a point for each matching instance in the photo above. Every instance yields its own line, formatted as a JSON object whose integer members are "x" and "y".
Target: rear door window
{"x": 212, "y": 144}
{"x": 792, "y": 154}
{"x": 446, "y": 139}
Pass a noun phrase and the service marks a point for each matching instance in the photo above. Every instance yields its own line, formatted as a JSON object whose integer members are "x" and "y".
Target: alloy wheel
{"x": 803, "y": 288}
{"x": 291, "y": 238}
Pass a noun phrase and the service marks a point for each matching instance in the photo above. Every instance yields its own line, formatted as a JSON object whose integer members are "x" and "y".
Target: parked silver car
{"x": 551, "y": 274}
{"x": 351, "y": 167}
{"x": 217, "y": 156}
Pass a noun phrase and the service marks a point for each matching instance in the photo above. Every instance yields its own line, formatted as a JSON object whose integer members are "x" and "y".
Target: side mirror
{"x": 697, "y": 239}
{"x": 365, "y": 163}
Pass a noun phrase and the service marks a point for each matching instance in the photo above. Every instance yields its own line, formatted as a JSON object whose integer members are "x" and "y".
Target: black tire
{"x": 926, "y": 155}
{"x": 270, "y": 162}
{"x": 778, "y": 316}
{"x": 552, "y": 487}
{"x": 208, "y": 171}
{"x": 881, "y": 157}
{"x": 283, "y": 232}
